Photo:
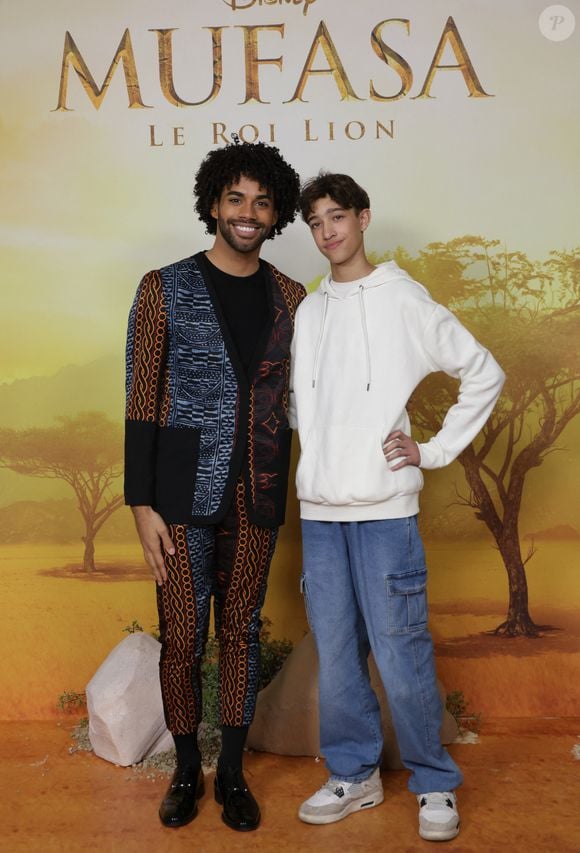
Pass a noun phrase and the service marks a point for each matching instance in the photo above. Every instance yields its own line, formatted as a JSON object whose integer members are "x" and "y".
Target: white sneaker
{"x": 438, "y": 815}
{"x": 338, "y": 798}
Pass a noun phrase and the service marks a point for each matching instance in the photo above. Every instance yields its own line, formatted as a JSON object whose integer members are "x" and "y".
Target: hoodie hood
{"x": 382, "y": 274}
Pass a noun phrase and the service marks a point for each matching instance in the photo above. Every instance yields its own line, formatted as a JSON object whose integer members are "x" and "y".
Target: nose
{"x": 245, "y": 209}
{"x": 328, "y": 230}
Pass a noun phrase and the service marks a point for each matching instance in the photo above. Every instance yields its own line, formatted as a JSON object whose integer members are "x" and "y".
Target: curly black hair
{"x": 257, "y": 161}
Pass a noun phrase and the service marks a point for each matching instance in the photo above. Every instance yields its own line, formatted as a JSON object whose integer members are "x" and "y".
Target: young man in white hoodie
{"x": 362, "y": 343}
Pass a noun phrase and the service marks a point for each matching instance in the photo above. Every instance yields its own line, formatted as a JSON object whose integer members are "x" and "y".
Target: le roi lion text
{"x": 321, "y": 43}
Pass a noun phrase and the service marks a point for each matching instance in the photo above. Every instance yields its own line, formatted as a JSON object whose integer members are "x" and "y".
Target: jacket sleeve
{"x": 292, "y": 418}
{"x": 451, "y": 348}
{"x": 145, "y": 363}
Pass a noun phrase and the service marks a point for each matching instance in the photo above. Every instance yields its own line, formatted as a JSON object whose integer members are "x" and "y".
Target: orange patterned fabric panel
{"x": 146, "y": 371}
{"x": 232, "y": 561}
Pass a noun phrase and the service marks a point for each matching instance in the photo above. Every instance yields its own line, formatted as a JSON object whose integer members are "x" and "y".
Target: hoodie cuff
{"x": 431, "y": 455}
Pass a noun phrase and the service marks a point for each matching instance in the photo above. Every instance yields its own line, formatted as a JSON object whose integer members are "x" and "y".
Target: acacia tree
{"x": 86, "y": 452}
{"x": 528, "y": 315}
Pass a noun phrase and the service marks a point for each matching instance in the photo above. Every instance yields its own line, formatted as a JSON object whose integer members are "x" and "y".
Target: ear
{"x": 364, "y": 219}
{"x": 275, "y": 217}
{"x": 214, "y": 208}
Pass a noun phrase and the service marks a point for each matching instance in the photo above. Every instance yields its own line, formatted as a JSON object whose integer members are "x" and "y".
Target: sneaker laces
{"x": 437, "y": 798}
{"x": 333, "y": 786}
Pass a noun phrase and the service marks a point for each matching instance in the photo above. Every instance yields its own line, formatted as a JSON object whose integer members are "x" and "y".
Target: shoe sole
{"x": 356, "y": 806}
{"x": 176, "y": 824}
{"x": 237, "y": 827}
{"x": 439, "y": 835}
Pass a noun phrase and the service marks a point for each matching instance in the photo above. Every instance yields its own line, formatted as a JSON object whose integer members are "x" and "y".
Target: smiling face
{"x": 339, "y": 232}
{"x": 245, "y": 216}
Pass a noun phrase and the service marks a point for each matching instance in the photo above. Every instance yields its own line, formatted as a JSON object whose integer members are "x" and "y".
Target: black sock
{"x": 233, "y": 740}
{"x": 188, "y": 754}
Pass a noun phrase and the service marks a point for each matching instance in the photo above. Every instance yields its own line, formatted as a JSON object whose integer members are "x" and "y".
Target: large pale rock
{"x": 126, "y": 721}
{"x": 286, "y": 720}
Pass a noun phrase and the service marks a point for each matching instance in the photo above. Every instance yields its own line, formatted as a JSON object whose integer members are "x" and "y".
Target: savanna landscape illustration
{"x": 500, "y": 525}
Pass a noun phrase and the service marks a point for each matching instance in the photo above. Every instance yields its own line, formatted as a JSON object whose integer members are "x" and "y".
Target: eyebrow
{"x": 242, "y": 195}
{"x": 330, "y": 210}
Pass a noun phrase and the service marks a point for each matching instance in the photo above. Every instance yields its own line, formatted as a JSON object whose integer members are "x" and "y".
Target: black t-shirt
{"x": 244, "y": 303}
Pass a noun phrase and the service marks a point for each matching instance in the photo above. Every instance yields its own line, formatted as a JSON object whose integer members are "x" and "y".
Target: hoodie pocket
{"x": 346, "y": 465}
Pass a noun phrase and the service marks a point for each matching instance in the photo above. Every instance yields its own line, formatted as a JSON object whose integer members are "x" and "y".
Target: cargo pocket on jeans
{"x": 407, "y": 602}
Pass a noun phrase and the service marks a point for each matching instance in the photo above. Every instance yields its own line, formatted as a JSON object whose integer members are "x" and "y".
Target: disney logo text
{"x": 247, "y": 4}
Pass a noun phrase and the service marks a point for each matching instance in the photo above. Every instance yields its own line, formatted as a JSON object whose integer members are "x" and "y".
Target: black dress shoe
{"x": 241, "y": 811}
{"x": 179, "y": 806}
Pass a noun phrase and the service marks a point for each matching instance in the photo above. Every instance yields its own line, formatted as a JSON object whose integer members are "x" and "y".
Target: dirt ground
{"x": 59, "y": 625}
{"x": 520, "y": 793}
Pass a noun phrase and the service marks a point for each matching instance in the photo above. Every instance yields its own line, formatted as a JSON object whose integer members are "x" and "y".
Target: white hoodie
{"x": 359, "y": 351}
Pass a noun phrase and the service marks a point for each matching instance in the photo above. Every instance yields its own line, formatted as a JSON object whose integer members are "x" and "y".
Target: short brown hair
{"x": 342, "y": 189}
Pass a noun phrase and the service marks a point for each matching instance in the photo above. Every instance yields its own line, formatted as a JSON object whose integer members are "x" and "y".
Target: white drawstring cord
{"x": 363, "y": 318}
{"x": 319, "y": 344}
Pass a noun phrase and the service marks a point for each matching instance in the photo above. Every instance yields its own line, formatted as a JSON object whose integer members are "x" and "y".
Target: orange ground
{"x": 520, "y": 794}
{"x": 71, "y": 623}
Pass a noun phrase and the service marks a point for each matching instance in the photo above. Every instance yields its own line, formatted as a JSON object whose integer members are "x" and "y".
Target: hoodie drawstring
{"x": 319, "y": 343}
{"x": 363, "y": 319}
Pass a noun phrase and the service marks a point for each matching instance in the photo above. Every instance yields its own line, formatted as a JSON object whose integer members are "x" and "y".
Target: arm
{"x": 292, "y": 411}
{"x": 146, "y": 353}
{"x": 451, "y": 348}
{"x": 291, "y": 396}
{"x": 154, "y": 534}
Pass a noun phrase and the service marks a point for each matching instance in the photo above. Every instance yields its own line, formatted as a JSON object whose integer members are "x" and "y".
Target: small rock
{"x": 286, "y": 721}
{"x": 126, "y": 721}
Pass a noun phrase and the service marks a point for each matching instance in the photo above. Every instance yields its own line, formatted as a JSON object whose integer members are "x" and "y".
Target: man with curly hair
{"x": 207, "y": 455}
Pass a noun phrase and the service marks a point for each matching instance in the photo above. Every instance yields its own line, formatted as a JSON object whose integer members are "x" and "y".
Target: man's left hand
{"x": 401, "y": 446}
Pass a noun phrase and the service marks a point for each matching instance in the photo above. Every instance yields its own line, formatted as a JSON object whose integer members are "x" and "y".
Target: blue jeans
{"x": 364, "y": 585}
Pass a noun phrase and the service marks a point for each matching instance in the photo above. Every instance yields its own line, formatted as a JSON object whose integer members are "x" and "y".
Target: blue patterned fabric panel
{"x": 203, "y": 387}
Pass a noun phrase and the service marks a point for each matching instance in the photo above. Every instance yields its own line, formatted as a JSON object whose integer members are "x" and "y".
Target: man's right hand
{"x": 155, "y": 538}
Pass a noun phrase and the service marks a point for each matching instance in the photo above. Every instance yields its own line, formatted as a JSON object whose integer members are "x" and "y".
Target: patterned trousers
{"x": 230, "y": 561}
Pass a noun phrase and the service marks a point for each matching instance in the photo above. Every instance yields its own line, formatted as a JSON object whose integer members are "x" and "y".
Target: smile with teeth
{"x": 246, "y": 229}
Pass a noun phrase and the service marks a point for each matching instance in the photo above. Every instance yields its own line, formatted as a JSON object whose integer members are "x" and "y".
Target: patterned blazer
{"x": 193, "y": 418}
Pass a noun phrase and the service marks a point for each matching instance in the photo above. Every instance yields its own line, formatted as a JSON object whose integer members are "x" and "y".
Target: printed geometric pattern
{"x": 203, "y": 386}
{"x": 180, "y": 374}
{"x": 293, "y": 292}
{"x": 243, "y": 556}
{"x": 146, "y": 346}
{"x": 269, "y": 436}
{"x": 183, "y": 607}
{"x": 231, "y": 560}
